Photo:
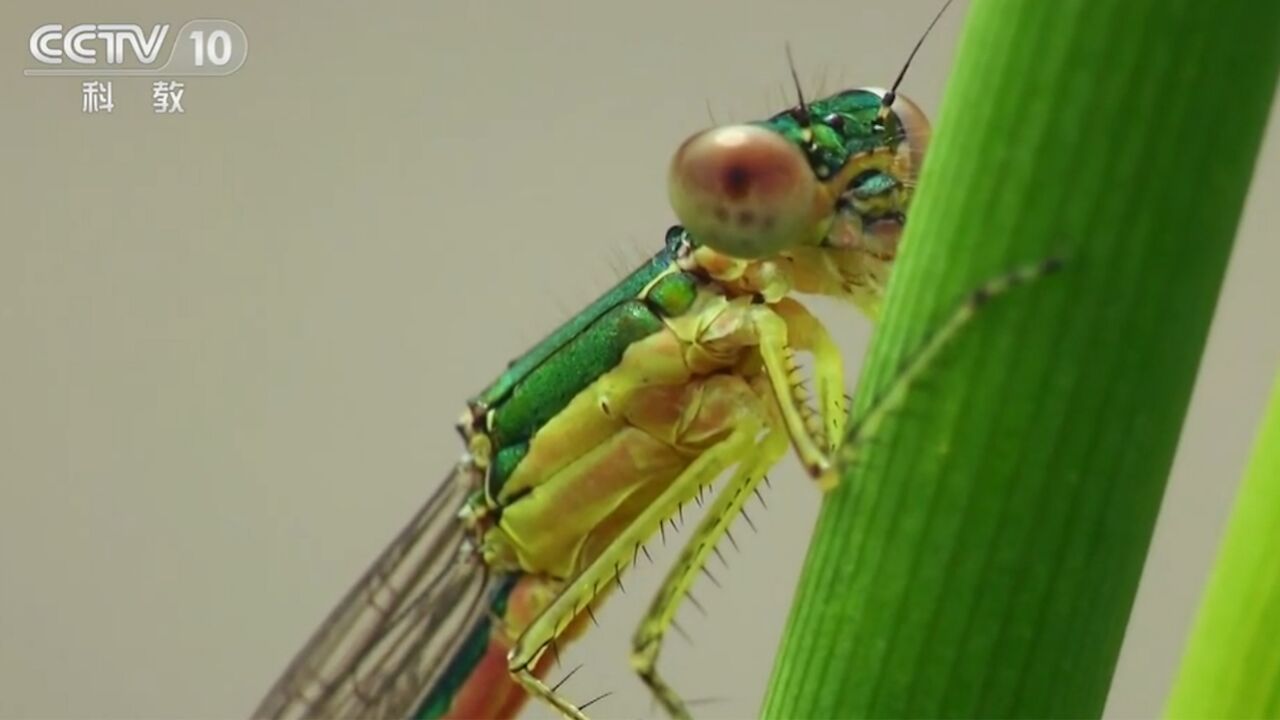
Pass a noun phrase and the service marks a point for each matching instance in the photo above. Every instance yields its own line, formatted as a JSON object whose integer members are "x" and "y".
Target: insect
{"x": 580, "y": 451}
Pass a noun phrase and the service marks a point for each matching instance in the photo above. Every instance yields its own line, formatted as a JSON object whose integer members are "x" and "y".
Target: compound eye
{"x": 915, "y": 131}
{"x": 745, "y": 191}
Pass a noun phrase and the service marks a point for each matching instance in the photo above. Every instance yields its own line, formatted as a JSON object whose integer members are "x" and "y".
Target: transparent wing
{"x": 390, "y": 637}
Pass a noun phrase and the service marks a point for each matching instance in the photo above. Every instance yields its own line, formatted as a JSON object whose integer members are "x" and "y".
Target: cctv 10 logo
{"x": 200, "y": 47}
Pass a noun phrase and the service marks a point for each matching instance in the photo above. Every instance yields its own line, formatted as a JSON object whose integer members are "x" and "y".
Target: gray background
{"x": 235, "y": 341}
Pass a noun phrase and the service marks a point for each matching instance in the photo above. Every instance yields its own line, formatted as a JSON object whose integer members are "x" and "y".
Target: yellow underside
{"x": 594, "y": 467}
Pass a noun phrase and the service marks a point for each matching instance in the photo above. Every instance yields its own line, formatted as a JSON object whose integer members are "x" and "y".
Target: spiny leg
{"x": 865, "y": 427}
{"x": 607, "y": 568}
{"x": 647, "y": 641}
{"x": 776, "y": 352}
{"x": 806, "y": 332}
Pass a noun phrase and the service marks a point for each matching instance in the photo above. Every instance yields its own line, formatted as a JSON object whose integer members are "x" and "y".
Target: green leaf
{"x": 981, "y": 556}
{"x": 1231, "y": 668}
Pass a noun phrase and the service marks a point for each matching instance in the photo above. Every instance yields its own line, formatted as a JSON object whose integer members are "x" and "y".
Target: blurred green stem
{"x": 1231, "y": 668}
{"x": 981, "y": 556}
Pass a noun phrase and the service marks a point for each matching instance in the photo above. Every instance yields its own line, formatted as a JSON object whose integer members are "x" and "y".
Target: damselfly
{"x": 580, "y": 451}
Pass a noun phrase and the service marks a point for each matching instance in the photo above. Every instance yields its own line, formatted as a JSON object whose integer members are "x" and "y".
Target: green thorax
{"x": 833, "y": 129}
{"x": 539, "y": 384}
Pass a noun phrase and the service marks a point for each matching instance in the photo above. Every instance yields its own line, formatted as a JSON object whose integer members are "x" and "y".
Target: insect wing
{"x": 388, "y": 640}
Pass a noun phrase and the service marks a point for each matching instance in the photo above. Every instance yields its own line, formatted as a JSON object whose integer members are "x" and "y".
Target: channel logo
{"x": 201, "y": 47}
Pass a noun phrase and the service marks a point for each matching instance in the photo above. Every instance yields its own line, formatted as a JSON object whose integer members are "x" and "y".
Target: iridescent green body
{"x": 541, "y": 381}
{"x": 538, "y": 384}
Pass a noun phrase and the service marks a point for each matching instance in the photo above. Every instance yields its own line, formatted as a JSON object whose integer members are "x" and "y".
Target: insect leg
{"x": 647, "y": 641}
{"x": 778, "y": 354}
{"x": 606, "y": 569}
{"x": 806, "y": 332}
{"x": 866, "y": 425}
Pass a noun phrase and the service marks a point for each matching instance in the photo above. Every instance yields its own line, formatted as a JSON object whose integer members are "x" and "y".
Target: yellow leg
{"x": 607, "y": 568}
{"x": 806, "y": 332}
{"x": 536, "y": 688}
{"x": 647, "y": 642}
{"x": 781, "y": 329}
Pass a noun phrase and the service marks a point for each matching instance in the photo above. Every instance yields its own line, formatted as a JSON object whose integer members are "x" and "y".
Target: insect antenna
{"x": 801, "y": 113}
{"x": 887, "y": 101}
